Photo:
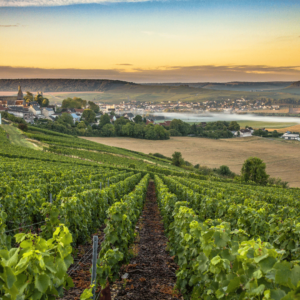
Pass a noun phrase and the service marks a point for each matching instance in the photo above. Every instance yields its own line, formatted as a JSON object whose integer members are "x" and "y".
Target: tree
{"x": 39, "y": 99}
{"x": 138, "y": 119}
{"x": 177, "y": 159}
{"x": 127, "y": 130}
{"x": 275, "y": 133}
{"x": 224, "y": 170}
{"x": 104, "y": 119}
{"x": 254, "y": 169}
{"x": 108, "y": 130}
{"x": 89, "y": 115}
{"x": 93, "y": 106}
{"x": 66, "y": 118}
{"x": 23, "y": 127}
{"x": 234, "y": 126}
{"x": 138, "y": 131}
{"x": 81, "y": 125}
{"x": 45, "y": 102}
{"x": 28, "y": 97}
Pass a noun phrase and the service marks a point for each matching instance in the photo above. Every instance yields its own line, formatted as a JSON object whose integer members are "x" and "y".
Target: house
{"x": 75, "y": 118}
{"x": 79, "y": 111}
{"x": 128, "y": 116}
{"x": 20, "y": 112}
{"x": 290, "y": 136}
{"x": 35, "y": 109}
{"x": 243, "y": 132}
{"x": 47, "y": 111}
{"x": 113, "y": 119}
{"x": 2, "y": 108}
{"x": 149, "y": 121}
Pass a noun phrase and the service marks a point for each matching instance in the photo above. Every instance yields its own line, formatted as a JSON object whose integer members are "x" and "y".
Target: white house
{"x": 290, "y": 136}
{"x": 47, "y": 111}
{"x": 243, "y": 132}
{"x": 35, "y": 109}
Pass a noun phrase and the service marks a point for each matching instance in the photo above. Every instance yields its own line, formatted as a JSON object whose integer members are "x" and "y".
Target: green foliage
{"x": 38, "y": 268}
{"x": 177, "y": 159}
{"x": 254, "y": 169}
{"x": 94, "y": 107}
{"x": 74, "y": 103}
{"x": 119, "y": 232}
{"x": 23, "y": 127}
{"x": 28, "y": 97}
{"x": 104, "y": 119}
{"x": 234, "y": 126}
{"x": 66, "y": 118}
{"x": 138, "y": 119}
{"x": 89, "y": 116}
{"x": 219, "y": 258}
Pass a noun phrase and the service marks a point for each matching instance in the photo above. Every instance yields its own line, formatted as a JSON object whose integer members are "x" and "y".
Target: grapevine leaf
{"x": 233, "y": 285}
{"x": 10, "y": 277}
{"x": 267, "y": 264}
{"x": 42, "y": 282}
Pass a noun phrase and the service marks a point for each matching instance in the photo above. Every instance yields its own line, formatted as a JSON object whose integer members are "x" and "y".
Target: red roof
{"x": 2, "y": 108}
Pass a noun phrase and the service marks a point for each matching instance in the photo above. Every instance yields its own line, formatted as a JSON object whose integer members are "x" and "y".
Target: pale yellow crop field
{"x": 282, "y": 157}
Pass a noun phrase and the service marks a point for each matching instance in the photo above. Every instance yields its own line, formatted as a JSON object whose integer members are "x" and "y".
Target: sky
{"x": 151, "y": 41}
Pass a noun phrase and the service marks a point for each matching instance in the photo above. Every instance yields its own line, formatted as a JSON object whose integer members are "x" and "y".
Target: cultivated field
{"x": 282, "y": 157}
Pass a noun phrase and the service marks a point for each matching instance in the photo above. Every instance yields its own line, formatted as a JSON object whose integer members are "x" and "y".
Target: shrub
{"x": 23, "y": 127}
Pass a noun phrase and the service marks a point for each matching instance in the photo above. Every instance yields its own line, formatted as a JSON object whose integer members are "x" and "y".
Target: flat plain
{"x": 281, "y": 157}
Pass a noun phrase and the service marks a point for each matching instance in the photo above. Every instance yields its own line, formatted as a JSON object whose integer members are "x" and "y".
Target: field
{"x": 16, "y": 138}
{"x": 271, "y": 125}
{"x": 282, "y": 157}
{"x": 294, "y": 128}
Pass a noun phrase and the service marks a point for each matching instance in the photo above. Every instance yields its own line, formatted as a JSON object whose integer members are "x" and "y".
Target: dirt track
{"x": 282, "y": 157}
{"x": 151, "y": 273}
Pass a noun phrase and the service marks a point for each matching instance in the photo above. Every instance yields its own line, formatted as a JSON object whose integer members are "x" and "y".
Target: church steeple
{"x": 20, "y": 93}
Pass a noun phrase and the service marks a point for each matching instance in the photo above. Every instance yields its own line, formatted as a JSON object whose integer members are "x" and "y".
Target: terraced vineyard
{"x": 226, "y": 240}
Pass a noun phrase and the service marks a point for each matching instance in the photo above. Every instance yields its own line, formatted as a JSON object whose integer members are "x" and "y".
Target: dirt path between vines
{"x": 151, "y": 272}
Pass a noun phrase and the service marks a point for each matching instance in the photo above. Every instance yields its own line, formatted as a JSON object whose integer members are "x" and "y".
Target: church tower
{"x": 20, "y": 93}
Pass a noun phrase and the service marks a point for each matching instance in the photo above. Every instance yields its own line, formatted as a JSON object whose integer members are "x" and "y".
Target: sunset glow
{"x": 130, "y": 40}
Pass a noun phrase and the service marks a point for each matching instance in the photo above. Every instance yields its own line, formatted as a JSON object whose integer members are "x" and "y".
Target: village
{"x": 32, "y": 111}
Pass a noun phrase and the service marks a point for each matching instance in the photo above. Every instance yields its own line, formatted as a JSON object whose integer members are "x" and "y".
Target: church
{"x": 13, "y": 101}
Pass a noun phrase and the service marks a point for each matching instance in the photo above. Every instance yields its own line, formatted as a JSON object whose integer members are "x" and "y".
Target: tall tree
{"x": 89, "y": 116}
{"x": 177, "y": 159}
{"x": 104, "y": 119}
{"x": 254, "y": 169}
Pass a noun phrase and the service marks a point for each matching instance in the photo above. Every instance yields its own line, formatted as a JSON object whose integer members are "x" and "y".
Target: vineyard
{"x": 162, "y": 232}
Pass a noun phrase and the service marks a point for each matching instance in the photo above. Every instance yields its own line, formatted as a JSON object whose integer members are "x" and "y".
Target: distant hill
{"x": 62, "y": 85}
{"x": 234, "y": 86}
{"x": 294, "y": 85}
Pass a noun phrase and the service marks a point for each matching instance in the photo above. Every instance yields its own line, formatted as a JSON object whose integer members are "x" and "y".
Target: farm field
{"x": 271, "y": 125}
{"x": 282, "y": 157}
{"x": 294, "y": 128}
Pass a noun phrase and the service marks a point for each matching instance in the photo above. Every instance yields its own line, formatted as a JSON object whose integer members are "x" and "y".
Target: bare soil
{"x": 151, "y": 272}
{"x": 281, "y": 157}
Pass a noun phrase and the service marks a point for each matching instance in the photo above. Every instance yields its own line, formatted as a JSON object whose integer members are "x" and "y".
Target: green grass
{"x": 16, "y": 137}
{"x": 261, "y": 124}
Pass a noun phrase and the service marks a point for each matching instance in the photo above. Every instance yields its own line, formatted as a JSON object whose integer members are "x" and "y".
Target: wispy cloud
{"x": 24, "y": 3}
{"x": 202, "y": 73}
{"x": 8, "y": 26}
{"x": 124, "y": 64}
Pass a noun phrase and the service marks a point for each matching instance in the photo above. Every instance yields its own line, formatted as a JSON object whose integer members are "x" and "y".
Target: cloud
{"x": 24, "y": 3}
{"x": 201, "y": 73}
{"x": 124, "y": 65}
{"x": 8, "y": 26}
